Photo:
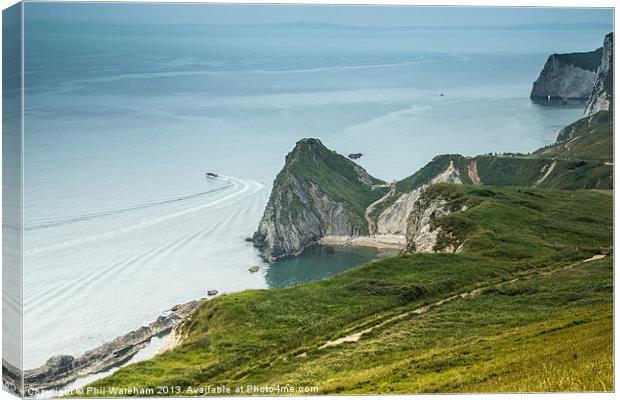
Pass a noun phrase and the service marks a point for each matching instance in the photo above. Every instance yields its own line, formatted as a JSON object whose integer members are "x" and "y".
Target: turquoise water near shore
{"x": 123, "y": 120}
{"x": 320, "y": 262}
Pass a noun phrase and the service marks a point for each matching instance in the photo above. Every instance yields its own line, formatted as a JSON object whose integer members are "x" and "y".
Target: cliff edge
{"x": 602, "y": 94}
{"x": 317, "y": 193}
{"x": 567, "y": 76}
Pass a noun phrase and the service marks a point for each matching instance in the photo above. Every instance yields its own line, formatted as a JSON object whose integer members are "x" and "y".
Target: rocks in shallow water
{"x": 355, "y": 156}
{"x": 253, "y": 268}
{"x": 60, "y": 362}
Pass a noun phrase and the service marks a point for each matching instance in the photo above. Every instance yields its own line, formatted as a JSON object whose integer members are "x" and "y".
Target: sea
{"x": 123, "y": 121}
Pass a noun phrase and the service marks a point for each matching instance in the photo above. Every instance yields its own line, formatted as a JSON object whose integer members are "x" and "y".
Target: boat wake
{"x": 239, "y": 188}
{"x": 117, "y": 273}
{"x": 83, "y": 217}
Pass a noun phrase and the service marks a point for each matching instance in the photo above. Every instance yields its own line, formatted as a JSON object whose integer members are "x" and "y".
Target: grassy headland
{"x": 590, "y": 138}
{"x": 581, "y": 158}
{"x": 337, "y": 176}
{"x": 554, "y": 319}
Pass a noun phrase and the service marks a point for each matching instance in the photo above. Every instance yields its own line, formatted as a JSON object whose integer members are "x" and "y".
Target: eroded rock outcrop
{"x": 284, "y": 230}
{"x": 427, "y": 229}
{"x": 393, "y": 220}
{"x": 318, "y": 193}
{"x": 567, "y": 76}
{"x": 421, "y": 234}
{"x": 602, "y": 94}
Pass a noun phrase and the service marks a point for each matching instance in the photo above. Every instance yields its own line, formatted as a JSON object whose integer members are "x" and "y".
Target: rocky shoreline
{"x": 63, "y": 369}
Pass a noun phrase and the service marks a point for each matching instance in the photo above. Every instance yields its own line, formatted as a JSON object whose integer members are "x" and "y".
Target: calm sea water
{"x": 122, "y": 122}
{"x": 320, "y": 262}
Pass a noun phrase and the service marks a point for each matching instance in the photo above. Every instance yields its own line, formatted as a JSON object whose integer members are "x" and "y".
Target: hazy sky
{"x": 349, "y": 15}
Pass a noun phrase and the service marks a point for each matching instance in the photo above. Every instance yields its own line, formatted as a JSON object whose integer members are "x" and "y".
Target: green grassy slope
{"x": 582, "y": 153}
{"x": 590, "y": 138}
{"x": 267, "y": 337}
{"x": 522, "y": 171}
{"x": 581, "y": 156}
{"x": 515, "y": 170}
{"x": 546, "y": 333}
{"x": 336, "y": 176}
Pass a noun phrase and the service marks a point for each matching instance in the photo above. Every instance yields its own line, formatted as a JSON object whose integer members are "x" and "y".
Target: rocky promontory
{"x": 567, "y": 76}
{"x": 322, "y": 197}
{"x": 317, "y": 193}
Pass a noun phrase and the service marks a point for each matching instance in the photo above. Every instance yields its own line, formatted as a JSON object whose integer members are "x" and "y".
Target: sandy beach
{"x": 377, "y": 241}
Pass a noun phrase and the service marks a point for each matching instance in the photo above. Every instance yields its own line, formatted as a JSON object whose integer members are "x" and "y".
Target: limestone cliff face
{"x": 426, "y": 233}
{"x": 421, "y": 234}
{"x": 413, "y": 213}
{"x": 602, "y": 93}
{"x": 282, "y": 232}
{"x": 567, "y": 76}
{"x": 317, "y": 193}
{"x": 393, "y": 220}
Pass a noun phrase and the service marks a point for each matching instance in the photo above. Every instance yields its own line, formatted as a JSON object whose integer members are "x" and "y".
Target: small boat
{"x": 355, "y": 156}
{"x": 211, "y": 175}
{"x": 211, "y": 292}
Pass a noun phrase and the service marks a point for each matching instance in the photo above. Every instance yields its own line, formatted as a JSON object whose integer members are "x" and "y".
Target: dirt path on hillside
{"x": 354, "y": 337}
{"x": 372, "y": 226}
